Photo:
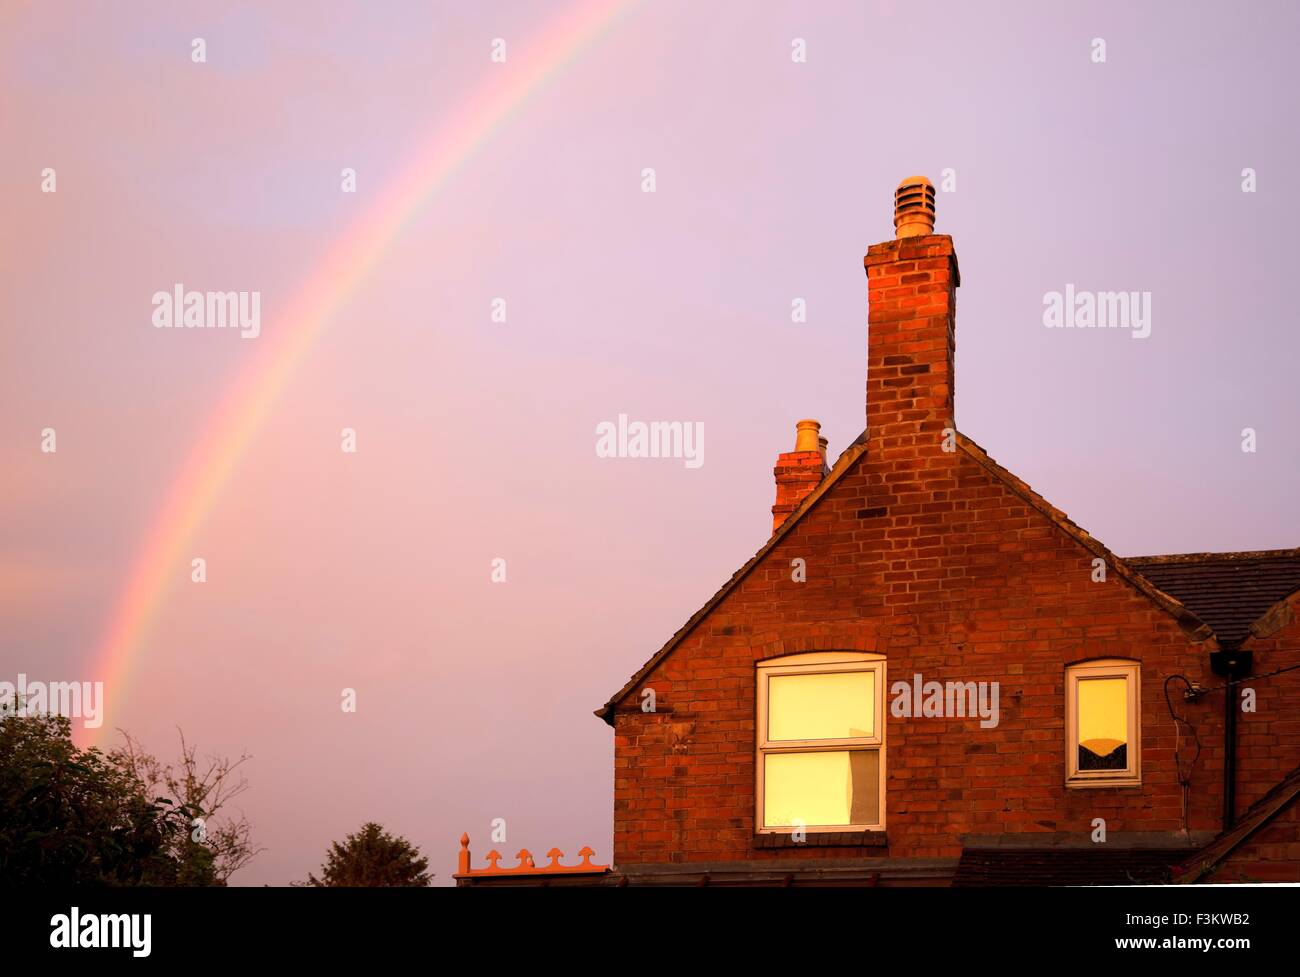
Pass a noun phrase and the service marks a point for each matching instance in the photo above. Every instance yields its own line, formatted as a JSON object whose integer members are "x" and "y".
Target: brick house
{"x": 930, "y": 675}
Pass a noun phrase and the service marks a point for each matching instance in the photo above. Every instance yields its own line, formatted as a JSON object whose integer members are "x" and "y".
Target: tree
{"x": 372, "y": 857}
{"x": 215, "y": 847}
{"x": 83, "y": 817}
{"x": 72, "y": 817}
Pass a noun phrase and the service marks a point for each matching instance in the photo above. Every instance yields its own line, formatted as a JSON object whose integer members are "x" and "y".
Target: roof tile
{"x": 1228, "y": 591}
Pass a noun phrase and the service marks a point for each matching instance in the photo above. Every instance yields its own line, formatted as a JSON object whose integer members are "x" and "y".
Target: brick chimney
{"x": 912, "y": 307}
{"x": 798, "y": 472}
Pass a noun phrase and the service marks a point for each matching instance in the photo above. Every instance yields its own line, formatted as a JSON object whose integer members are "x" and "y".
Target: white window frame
{"x": 1104, "y": 668}
{"x": 831, "y": 661}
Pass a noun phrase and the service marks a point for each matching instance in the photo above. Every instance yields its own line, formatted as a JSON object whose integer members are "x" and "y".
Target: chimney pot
{"x": 914, "y": 207}
{"x": 806, "y": 435}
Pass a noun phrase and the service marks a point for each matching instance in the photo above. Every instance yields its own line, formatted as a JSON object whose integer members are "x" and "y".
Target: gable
{"x": 1196, "y": 629}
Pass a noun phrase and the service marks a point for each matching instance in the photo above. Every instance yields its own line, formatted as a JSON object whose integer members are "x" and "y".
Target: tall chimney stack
{"x": 798, "y": 472}
{"x": 912, "y": 308}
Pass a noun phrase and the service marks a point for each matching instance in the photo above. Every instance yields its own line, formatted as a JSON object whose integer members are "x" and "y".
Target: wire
{"x": 1184, "y": 780}
{"x": 1197, "y": 693}
{"x": 1193, "y": 694}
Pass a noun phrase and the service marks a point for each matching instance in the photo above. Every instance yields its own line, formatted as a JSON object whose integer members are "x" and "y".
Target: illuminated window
{"x": 821, "y": 742}
{"x": 1101, "y": 718}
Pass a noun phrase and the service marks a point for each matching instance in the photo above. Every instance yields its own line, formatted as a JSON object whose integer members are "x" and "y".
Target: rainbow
{"x": 346, "y": 264}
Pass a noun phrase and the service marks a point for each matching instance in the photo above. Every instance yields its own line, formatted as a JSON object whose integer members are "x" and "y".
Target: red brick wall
{"x": 960, "y": 580}
{"x": 910, "y": 340}
{"x": 1268, "y": 740}
{"x": 923, "y": 555}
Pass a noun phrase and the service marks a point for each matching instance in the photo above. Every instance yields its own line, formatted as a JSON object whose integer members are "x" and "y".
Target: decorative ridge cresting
{"x": 526, "y": 866}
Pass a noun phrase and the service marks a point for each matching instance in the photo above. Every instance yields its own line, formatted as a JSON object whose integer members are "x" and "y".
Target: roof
{"x": 1257, "y": 816}
{"x": 1096, "y": 865}
{"x": 1228, "y": 591}
{"x": 1193, "y": 625}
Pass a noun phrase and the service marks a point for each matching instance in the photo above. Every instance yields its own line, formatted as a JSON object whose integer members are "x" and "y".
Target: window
{"x": 1103, "y": 748}
{"x": 821, "y": 733}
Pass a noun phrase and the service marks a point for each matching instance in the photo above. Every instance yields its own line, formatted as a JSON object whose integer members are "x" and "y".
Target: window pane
{"x": 1103, "y": 724}
{"x": 839, "y": 788}
{"x": 821, "y": 705}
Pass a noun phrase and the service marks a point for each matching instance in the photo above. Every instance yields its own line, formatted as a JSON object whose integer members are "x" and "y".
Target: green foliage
{"x": 372, "y": 857}
{"x": 83, "y": 817}
{"x": 72, "y": 817}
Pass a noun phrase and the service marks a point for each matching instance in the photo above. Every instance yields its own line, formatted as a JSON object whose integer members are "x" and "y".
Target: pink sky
{"x": 476, "y": 439}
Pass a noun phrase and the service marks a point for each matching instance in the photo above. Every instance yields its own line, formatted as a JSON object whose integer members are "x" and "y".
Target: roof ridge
{"x": 1228, "y": 555}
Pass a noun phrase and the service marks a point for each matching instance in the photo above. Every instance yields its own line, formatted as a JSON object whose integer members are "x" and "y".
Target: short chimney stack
{"x": 800, "y": 471}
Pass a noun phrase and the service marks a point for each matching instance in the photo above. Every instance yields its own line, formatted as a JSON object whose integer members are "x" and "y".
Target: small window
{"x": 821, "y": 742}
{"x": 1103, "y": 748}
